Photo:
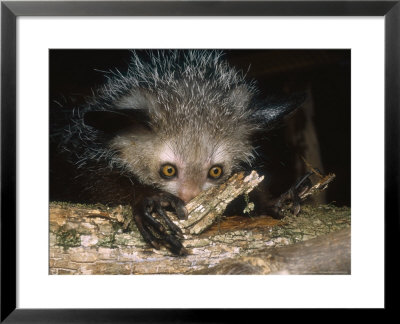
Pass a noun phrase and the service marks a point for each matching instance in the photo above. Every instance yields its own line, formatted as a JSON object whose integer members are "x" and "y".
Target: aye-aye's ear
{"x": 273, "y": 110}
{"x": 112, "y": 121}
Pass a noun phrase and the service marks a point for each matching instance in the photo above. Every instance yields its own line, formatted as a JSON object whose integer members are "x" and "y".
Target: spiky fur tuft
{"x": 199, "y": 112}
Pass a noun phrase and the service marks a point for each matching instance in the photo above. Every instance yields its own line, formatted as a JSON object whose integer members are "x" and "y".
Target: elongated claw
{"x": 293, "y": 196}
{"x": 177, "y": 204}
{"x": 147, "y": 235}
{"x": 156, "y": 227}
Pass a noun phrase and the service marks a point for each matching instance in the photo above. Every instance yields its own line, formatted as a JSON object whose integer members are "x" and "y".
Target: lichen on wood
{"x": 96, "y": 239}
{"x": 326, "y": 254}
{"x": 106, "y": 249}
{"x": 204, "y": 209}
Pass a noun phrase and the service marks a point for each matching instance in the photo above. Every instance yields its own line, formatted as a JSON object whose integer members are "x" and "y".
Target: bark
{"x": 205, "y": 209}
{"x": 101, "y": 240}
{"x": 327, "y": 254}
{"x": 91, "y": 240}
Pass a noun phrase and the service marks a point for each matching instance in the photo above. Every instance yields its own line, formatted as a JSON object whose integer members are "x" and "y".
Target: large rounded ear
{"x": 273, "y": 110}
{"x": 129, "y": 111}
{"x": 112, "y": 121}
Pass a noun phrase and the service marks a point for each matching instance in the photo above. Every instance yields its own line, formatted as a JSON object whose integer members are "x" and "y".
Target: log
{"x": 93, "y": 240}
{"x": 103, "y": 240}
{"x": 327, "y": 254}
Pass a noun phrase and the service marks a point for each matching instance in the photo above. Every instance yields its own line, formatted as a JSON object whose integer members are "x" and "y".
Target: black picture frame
{"x": 10, "y": 10}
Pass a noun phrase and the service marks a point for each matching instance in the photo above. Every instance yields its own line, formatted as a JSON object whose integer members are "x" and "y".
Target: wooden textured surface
{"x": 92, "y": 240}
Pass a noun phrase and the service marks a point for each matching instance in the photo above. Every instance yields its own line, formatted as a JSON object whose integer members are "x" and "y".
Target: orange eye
{"x": 168, "y": 171}
{"x": 215, "y": 172}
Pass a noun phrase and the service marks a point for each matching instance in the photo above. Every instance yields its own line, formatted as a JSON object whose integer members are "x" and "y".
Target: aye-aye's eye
{"x": 215, "y": 172}
{"x": 168, "y": 171}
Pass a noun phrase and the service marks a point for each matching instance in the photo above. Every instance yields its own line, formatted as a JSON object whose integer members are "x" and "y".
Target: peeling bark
{"x": 101, "y": 240}
{"x": 327, "y": 254}
{"x": 209, "y": 205}
{"x": 92, "y": 240}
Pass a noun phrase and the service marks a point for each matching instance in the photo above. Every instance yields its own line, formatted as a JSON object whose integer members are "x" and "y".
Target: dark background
{"x": 323, "y": 74}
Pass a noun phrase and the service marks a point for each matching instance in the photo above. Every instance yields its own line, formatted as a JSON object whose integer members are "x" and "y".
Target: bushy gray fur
{"x": 193, "y": 98}
{"x": 200, "y": 111}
